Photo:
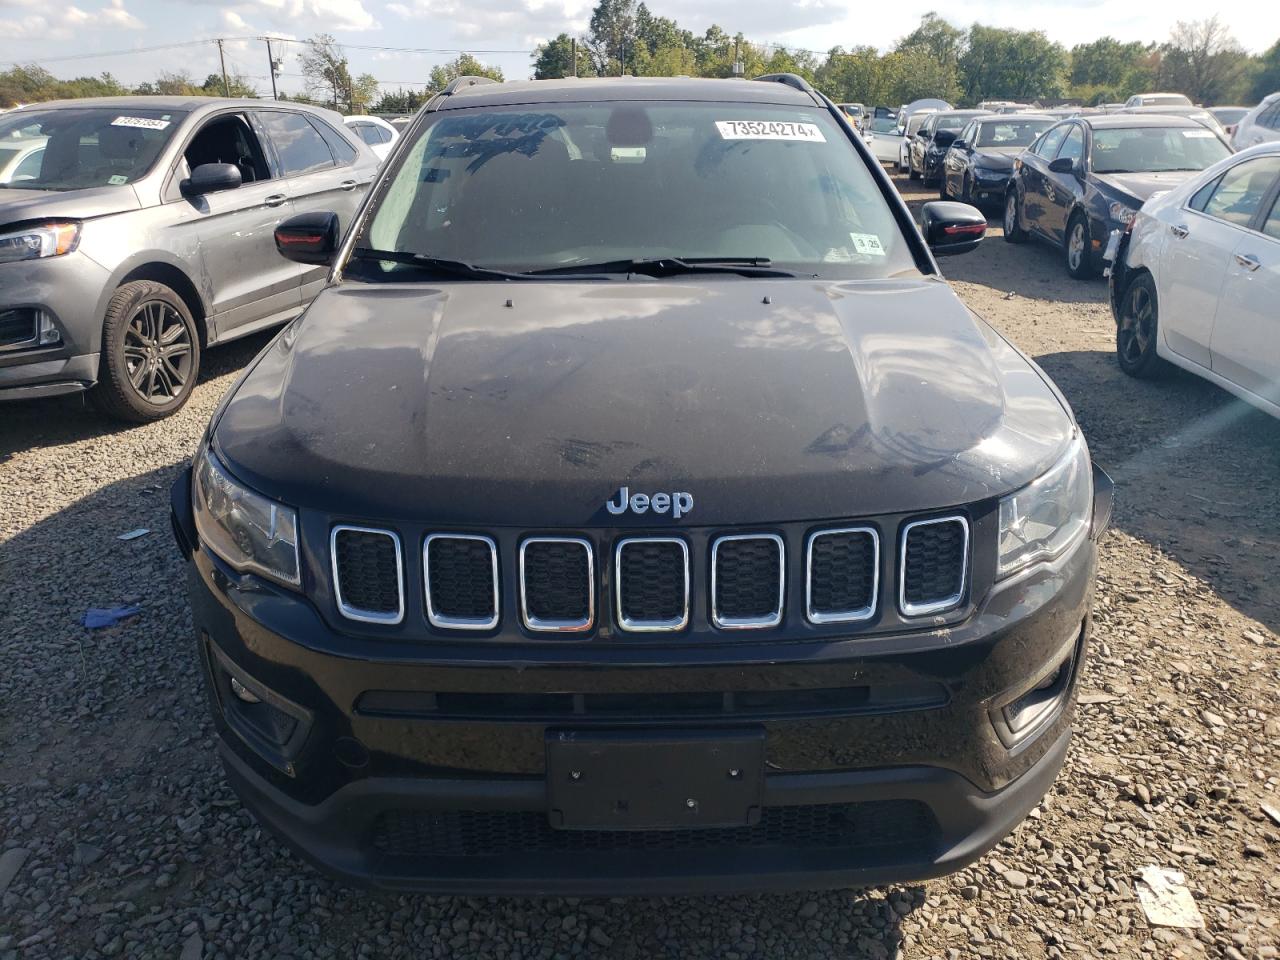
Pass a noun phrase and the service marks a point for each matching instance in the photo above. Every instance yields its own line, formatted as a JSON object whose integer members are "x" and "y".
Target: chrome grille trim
{"x": 945, "y": 603}
{"x": 560, "y": 626}
{"x": 355, "y": 613}
{"x": 460, "y": 623}
{"x": 842, "y": 616}
{"x": 749, "y": 623}
{"x": 650, "y": 626}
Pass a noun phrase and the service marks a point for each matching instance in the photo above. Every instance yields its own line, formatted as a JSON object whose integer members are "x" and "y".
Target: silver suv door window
{"x": 299, "y": 146}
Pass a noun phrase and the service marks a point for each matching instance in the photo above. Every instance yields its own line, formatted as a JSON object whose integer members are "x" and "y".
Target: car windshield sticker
{"x": 143, "y": 122}
{"x": 769, "y": 130}
{"x": 867, "y": 244}
{"x": 1197, "y": 134}
{"x": 116, "y": 179}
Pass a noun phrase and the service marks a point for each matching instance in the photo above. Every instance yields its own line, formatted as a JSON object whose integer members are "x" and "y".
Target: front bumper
{"x": 424, "y": 766}
{"x": 989, "y": 186}
{"x": 68, "y": 289}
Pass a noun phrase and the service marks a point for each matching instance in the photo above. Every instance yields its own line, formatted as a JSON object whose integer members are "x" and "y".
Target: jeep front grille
{"x": 461, "y": 576}
{"x": 652, "y": 584}
{"x": 557, "y": 584}
{"x": 843, "y": 575}
{"x": 368, "y": 574}
{"x": 933, "y": 565}
{"x": 747, "y": 581}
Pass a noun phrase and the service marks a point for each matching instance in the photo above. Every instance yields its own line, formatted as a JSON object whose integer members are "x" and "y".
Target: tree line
{"x": 937, "y": 59}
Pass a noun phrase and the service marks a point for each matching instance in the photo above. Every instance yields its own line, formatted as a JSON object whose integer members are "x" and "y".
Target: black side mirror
{"x": 1063, "y": 165}
{"x": 951, "y": 227}
{"x": 960, "y": 145}
{"x": 211, "y": 178}
{"x": 310, "y": 238}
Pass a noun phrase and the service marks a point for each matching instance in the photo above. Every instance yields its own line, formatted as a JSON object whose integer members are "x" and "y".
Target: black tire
{"x": 942, "y": 187}
{"x": 1077, "y": 247}
{"x": 1013, "y": 230}
{"x": 912, "y": 172}
{"x": 966, "y": 191}
{"x": 150, "y": 354}
{"x": 1138, "y": 330}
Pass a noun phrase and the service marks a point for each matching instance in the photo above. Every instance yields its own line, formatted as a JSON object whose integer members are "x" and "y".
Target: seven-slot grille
{"x": 843, "y": 575}
{"x": 933, "y": 564}
{"x": 652, "y": 583}
{"x": 557, "y": 584}
{"x": 747, "y": 581}
{"x": 651, "y": 578}
{"x": 368, "y": 574}
{"x": 461, "y": 576}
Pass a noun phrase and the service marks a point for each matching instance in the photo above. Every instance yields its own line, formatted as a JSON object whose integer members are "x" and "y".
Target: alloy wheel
{"x": 1010, "y": 213}
{"x": 1137, "y": 326}
{"x": 157, "y": 352}
{"x": 1075, "y": 246}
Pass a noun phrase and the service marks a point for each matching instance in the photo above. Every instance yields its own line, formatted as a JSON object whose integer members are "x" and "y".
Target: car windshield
{"x": 598, "y": 185}
{"x": 1229, "y": 114}
{"x": 914, "y": 122}
{"x": 884, "y": 125}
{"x": 953, "y": 123}
{"x": 89, "y": 146}
{"x": 1011, "y": 132}
{"x": 1155, "y": 149}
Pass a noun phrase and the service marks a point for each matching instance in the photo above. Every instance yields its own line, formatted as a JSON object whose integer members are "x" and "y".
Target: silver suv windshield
{"x": 601, "y": 185}
{"x": 87, "y": 146}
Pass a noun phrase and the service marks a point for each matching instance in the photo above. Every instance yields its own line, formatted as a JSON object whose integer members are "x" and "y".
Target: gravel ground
{"x": 118, "y": 836}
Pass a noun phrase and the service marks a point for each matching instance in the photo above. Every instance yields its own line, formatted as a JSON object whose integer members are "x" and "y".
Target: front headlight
{"x": 36, "y": 242}
{"x": 244, "y": 528}
{"x": 1121, "y": 213}
{"x": 1048, "y": 515}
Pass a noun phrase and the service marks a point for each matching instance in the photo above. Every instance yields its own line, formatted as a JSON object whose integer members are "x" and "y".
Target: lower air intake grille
{"x": 880, "y": 825}
{"x": 843, "y": 574}
{"x": 935, "y": 556}
{"x": 747, "y": 585}
{"x": 557, "y": 585}
{"x": 17, "y": 327}
{"x": 462, "y": 581}
{"x": 653, "y": 584}
{"x": 367, "y": 574}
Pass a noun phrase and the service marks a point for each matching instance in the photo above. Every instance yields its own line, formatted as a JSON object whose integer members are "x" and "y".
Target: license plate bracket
{"x": 654, "y": 780}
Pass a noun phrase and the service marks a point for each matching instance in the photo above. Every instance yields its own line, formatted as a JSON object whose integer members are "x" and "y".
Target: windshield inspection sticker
{"x": 769, "y": 130}
{"x": 867, "y": 244}
{"x": 116, "y": 179}
{"x": 141, "y": 122}
{"x": 1197, "y": 134}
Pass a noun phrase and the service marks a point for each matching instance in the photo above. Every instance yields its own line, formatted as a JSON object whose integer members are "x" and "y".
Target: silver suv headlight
{"x": 244, "y": 528}
{"x": 39, "y": 241}
{"x": 1048, "y": 515}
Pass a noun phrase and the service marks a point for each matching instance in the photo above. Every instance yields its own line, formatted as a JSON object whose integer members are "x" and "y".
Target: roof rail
{"x": 459, "y": 83}
{"x": 790, "y": 79}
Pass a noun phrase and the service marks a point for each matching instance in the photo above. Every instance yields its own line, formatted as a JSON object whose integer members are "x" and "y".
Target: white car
{"x": 376, "y": 132}
{"x": 914, "y": 123}
{"x": 884, "y": 138}
{"x": 1158, "y": 100}
{"x": 21, "y": 159}
{"x": 1259, "y": 125}
{"x": 1196, "y": 279}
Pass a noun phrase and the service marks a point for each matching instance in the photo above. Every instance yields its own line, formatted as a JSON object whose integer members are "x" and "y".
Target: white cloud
{"x": 233, "y": 20}
{"x": 328, "y": 16}
{"x": 67, "y": 21}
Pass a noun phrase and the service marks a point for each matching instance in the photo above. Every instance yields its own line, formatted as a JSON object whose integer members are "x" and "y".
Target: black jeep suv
{"x": 638, "y": 510}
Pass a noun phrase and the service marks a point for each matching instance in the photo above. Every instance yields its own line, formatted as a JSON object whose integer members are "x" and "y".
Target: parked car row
{"x": 136, "y": 232}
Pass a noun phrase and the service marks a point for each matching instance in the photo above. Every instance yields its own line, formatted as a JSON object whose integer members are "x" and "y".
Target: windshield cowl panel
{"x": 608, "y": 189}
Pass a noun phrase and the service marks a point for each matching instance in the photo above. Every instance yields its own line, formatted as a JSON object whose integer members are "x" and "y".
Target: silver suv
{"x": 1259, "y": 125}
{"x": 142, "y": 232}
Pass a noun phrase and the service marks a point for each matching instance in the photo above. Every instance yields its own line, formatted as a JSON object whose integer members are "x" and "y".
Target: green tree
{"x": 364, "y": 90}
{"x": 324, "y": 65}
{"x": 1266, "y": 78}
{"x": 942, "y": 40}
{"x": 1203, "y": 60}
{"x": 611, "y": 36}
{"x": 401, "y": 101}
{"x": 1011, "y": 64}
{"x": 554, "y": 59}
{"x": 465, "y": 65}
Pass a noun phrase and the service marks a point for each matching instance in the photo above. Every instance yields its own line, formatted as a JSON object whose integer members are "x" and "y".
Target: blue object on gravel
{"x": 96, "y": 617}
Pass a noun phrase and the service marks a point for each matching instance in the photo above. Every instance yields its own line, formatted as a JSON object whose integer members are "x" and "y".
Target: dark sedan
{"x": 924, "y": 154}
{"x": 1087, "y": 176}
{"x": 977, "y": 167}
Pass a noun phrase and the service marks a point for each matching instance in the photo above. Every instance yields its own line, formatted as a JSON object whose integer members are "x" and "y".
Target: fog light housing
{"x": 273, "y": 727}
{"x": 1024, "y": 715}
{"x": 48, "y": 333}
{"x": 243, "y": 692}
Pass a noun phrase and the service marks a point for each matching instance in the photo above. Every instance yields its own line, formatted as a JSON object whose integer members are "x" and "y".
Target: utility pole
{"x": 271, "y": 61}
{"x": 226, "y": 87}
{"x": 574, "y": 47}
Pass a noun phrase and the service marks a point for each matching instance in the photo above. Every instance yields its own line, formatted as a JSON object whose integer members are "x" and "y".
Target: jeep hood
{"x": 1140, "y": 186}
{"x": 530, "y": 404}
{"x": 17, "y": 205}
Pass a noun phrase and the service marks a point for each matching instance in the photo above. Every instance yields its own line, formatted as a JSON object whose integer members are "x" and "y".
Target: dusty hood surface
{"x": 827, "y": 400}
{"x": 1140, "y": 186}
{"x": 16, "y": 205}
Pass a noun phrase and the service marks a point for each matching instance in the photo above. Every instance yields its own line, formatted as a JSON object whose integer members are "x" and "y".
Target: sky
{"x": 68, "y": 38}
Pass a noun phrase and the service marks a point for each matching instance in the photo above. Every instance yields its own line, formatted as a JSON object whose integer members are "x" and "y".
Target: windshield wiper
{"x": 671, "y": 266}
{"x": 457, "y": 268}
